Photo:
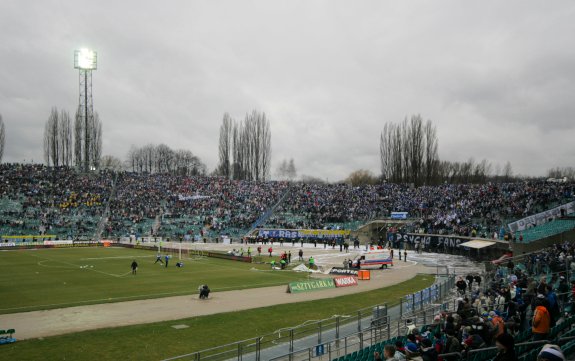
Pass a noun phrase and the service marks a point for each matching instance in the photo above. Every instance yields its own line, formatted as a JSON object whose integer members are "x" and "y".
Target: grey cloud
{"x": 495, "y": 77}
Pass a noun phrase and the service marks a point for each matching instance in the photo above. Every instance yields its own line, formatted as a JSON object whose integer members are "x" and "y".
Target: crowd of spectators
{"x": 48, "y": 200}
{"x": 41, "y": 200}
{"x": 525, "y": 300}
{"x": 461, "y": 209}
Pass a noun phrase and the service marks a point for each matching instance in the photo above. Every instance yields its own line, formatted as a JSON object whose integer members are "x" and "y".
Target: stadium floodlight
{"x": 85, "y": 59}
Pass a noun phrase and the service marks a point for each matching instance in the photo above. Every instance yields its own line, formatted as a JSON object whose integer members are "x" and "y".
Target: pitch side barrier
{"x": 344, "y": 332}
{"x": 52, "y": 244}
{"x": 187, "y": 252}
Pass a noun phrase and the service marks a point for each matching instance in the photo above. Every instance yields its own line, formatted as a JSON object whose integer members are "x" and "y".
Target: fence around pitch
{"x": 374, "y": 318}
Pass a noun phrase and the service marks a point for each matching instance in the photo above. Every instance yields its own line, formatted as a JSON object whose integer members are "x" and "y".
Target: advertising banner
{"x": 343, "y": 271}
{"x": 345, "y": 281}
{"x": 306, "y": 286}
{"x": 324, "y": 233}
{"x": 58, "y": 243}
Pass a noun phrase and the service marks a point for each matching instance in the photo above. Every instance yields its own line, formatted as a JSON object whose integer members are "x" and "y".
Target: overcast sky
{"x": 497, "y": 78}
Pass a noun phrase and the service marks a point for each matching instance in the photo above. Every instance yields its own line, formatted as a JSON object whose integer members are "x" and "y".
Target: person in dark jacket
{"x": 506, "y": 348}
{"x": 461, "y": 285}
{"x": 451, "y": 345}
{"x": 428, "y": 352}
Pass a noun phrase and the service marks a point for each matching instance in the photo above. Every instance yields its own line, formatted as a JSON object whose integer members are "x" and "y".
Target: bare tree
{"x": 431, "y": 152}
{"x": 162, "y": 159}
{"x": 291, "y": 170}
{"x": 237, "y": 164}
{"x": 95, "y": 134}
{"x": 266, "y": 155}
{"x": 51, "y": 139}
{"x": 386, "y": 151}
{"x": 403, "y": 151}
{"x": 132, "y": 158}
{"x": 361, "y": 177}
{"x": 282, "y": 170}
{"x": 409, "y": 154}
{"x": 559, "y": 172}
{"x": 225, "y": 146}
{"x": 65, "y": 135}
{"x": 78, "y": 140}
{"x": 250, "y": 147}
{"x": 110, "y": 162}
{"x": 2, "y": 138}
{"x": 58, "y": 139}
{"x": 507, "y": 172}
{"x": 415, "y": 141}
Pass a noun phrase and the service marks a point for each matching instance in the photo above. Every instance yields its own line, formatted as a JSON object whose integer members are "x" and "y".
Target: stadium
{"x": 264, "y": 180}
{"x": 72, "y": 283}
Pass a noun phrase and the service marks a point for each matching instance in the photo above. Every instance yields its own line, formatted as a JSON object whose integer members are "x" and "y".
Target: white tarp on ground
{"x": 476, "y": 244}
{"x": 303, "y": 268}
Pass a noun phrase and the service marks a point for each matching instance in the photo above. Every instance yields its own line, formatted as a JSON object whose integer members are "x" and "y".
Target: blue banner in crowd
{"x": 398, "y": 215}
{"x": 303, "y": 233}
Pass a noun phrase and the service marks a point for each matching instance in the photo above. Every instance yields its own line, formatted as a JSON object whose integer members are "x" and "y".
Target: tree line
{"x": 409, "y": 154}
{"x": 560, "y": 172}
{"x": 245, "y": 147}
{"x": 64, "y": 146}
{"x": 2, "y": 137}
{"x": 162, "y": 159}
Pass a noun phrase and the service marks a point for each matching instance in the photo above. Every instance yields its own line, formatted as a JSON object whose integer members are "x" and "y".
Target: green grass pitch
{"x": 64, "y": 277}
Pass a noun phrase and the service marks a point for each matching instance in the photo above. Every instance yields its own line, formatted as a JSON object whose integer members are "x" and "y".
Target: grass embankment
{"x": 159, "y": 340}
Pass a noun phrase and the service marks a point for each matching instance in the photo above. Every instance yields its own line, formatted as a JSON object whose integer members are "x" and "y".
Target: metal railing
{"x": 337, "y": 333}
{"x": 469, "y": 354}
{"x": 380, "y": 330}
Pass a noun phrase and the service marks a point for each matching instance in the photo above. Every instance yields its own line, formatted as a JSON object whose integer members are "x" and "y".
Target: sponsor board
{"x": 306, "y": 286}
{"x": 42, "y": 237}
{"x": 9, "y": 244}
{"x": 58, "y": 243}
{"x": 230, "y": 257}
{"x": 345, "y": 281}
{"x": 343, "y": 271}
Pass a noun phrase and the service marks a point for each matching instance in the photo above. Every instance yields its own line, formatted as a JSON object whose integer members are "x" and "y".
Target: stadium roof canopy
{"x": 476, "y": 243}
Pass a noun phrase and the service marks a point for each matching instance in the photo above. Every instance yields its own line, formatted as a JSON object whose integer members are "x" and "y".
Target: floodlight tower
{"x": 86, "y": 60}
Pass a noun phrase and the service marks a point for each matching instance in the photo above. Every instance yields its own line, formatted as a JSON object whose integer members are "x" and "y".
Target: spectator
{"x": 428, "y": 352}
{"x": 390, "y": 353}
{"x": 505, "y": 348}
{"x": 541, "y": 320}
{"x": 550, "y": 353}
